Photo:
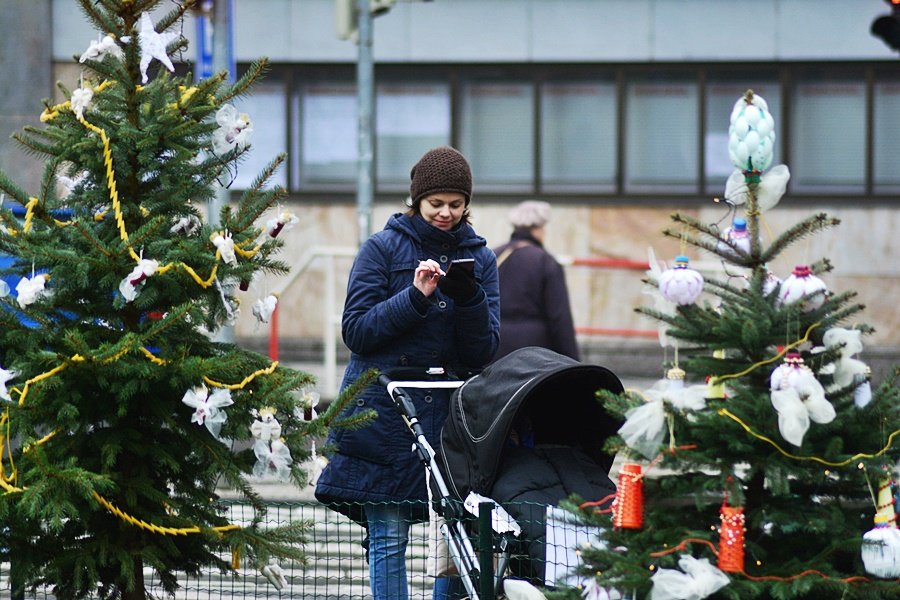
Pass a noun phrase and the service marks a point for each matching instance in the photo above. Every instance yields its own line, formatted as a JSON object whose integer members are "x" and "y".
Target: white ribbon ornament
{"x": 645, "y": 426}
{"x": 30, "y": 290}
{"x": 267, "y": 427}
{"x": 272, "y": 459}
{"x": 798, "y": 398}
{"x": 846, "y": 370}
{"x": 264, "y": 307}
{"x": 185, "y": 225}
{"x": 803, "y": 287}
{"x": 144, "y": 269}
{"x": 225, "y": 245}
{"x": 283, "y": 222}
{"x": 698, "y": 580}
{"x": 81, "y": 100}
{"x": 273, "y": 573}
{"x": 208, "y": 409}
{"x": 97, "y": 50}
{"x": 681, "y": 284}
{"x": 235, "y": 130}
{"x": 4, "y": 377}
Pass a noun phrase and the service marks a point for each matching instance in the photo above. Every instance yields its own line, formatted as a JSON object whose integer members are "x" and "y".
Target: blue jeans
{"x": 388, "y": 536}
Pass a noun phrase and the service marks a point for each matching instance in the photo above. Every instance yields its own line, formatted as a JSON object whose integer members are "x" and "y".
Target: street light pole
{"x": 221, "y": 61}
{"x": 365, "y": 90}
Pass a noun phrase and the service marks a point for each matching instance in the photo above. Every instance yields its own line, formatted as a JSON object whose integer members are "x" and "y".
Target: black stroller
{"x": 525, "y": 433}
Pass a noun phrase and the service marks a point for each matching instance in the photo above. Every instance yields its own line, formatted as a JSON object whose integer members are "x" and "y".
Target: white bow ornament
{"x": 4, "y": 377}
{"x": 645, "y": 426}
{"x": 208, "y": 408}
{"x": 846, "y": 370}
{"x": 798, "y": 398}
{"x": 699, "y": 580}
{"x": 272, "y": 459}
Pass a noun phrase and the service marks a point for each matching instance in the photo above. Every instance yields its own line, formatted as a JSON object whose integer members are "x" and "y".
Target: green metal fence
{"x": 336, "y": 566}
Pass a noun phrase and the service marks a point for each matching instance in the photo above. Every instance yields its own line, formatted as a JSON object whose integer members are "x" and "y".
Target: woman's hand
{"x": 427, "y": 275}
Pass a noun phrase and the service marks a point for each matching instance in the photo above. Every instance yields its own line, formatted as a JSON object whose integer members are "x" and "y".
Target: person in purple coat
{"x": 534, "y": 299}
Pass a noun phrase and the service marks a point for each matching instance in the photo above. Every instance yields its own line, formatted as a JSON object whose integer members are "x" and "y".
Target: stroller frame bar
{"x": 460, "y": 548}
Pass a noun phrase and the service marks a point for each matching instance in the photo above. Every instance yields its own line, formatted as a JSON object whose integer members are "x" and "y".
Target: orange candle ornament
{"x": 628, "y": 507}
{"x": 731, "y": 539}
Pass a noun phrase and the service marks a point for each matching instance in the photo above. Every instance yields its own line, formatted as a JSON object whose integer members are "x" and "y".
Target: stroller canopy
{"x": 554, "y": 395}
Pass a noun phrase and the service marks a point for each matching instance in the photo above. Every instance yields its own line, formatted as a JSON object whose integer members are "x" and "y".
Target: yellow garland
{"x": 247, "y": 253}
{"x": 29, "y": 214}
{"x": 110, "y": 177}
{"x": 153, "y": 358}
{"x": 4, "y": 479}
{"x": 726, "y": 413}
{"x": 24, "y": 391}
{"x": 236, "y": 386}
{"x": 762, "y": 363}
{"x": 156, "y": 528}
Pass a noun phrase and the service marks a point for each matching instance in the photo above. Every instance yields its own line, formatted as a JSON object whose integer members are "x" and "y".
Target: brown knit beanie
{"x": 441, "y": 169}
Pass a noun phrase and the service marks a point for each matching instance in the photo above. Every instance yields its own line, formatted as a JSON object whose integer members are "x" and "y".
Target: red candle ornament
{"x": 731, "y": 539}
{"x": 628, "y": 507}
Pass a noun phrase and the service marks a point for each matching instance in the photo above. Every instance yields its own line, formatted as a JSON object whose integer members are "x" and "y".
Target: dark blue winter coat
{"x": 388, "y": 323}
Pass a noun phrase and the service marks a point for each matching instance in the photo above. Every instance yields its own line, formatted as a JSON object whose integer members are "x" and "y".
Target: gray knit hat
{"x": 530, "y": 213}
{"x": 441, "y": 169}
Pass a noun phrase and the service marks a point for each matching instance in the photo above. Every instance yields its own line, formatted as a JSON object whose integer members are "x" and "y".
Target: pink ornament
{"x": 681, "y": 284}
{"x": 803, "y": 287}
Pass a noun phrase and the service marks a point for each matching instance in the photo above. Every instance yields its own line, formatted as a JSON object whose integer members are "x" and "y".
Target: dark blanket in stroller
{"x": 530, "y": 479}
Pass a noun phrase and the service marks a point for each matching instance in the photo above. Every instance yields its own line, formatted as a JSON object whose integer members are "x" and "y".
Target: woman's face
{"x": 444, "y": 210}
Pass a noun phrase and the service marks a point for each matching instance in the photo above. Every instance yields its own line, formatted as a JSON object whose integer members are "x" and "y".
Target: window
{"x": 497, "y": 134}
{"x": 661, "y": 136}
{"x": 828, "y": 136}
{"x": 720, "y": 99}
{"x": 409, "y": 120}
{"x": 266, "y": 110}
{"x": 328, "y": 135}
{"x": 578, "y": 136}
{"x": 886, "y": 141}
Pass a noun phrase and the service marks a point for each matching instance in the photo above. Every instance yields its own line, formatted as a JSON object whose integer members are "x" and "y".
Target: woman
{"x": 401, "y": 310}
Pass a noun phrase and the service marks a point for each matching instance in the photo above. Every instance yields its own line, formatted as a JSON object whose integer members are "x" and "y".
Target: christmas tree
{"x": 122, "y": 415}
{"x": 762, "y": 465}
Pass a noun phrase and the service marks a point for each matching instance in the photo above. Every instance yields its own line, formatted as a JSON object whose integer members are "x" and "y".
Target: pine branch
{"x": 256, "y": 70}
{"x": 804, "y": 228}
{"x": 100, "y": 19}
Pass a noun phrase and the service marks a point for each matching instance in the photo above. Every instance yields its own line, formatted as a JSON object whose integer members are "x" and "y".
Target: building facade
{"x": 615, "y": 111}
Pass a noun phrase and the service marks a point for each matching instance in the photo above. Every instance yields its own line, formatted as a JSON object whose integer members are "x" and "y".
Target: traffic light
{"x": 887, "y": 27}
{"x": 347, "y": 17}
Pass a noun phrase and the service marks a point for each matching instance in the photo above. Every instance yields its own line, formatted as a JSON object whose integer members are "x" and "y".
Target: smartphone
{"x": 463, "y": 266}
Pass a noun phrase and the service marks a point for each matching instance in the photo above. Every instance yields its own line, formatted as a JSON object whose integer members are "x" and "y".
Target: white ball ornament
{"x": 681, "y": 284}
{"x": 803, "y": 287}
